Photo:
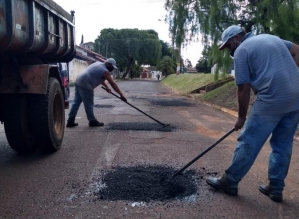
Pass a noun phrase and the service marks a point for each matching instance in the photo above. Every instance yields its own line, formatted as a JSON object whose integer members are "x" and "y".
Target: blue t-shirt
{"x": 265, "y": 62}
{"x": 91, "y": 77}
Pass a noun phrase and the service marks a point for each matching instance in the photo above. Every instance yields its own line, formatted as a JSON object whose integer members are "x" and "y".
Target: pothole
{"x": 103, "y": 106}
{"x": 166, "y": 102}
{"x": 146, "y": 92}
{"x": 139, "y": 126}
{"x": 145, "y": 184}
{"x": 101, "y": 98}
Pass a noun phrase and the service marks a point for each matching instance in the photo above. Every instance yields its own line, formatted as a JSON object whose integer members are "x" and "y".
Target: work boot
{"x": 273, "y": 195}
{"x": 71, "y": 123}
{"x": 95, "y": 123}
{"x": 224, "y": 184}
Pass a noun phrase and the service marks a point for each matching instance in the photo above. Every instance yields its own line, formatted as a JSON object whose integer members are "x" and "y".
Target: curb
{"x": 223, "y": 109}
{"x": 215, "y": 106}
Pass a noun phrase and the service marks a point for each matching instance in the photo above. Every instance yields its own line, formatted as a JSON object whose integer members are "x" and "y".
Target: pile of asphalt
{"x": 145, "y": 184}
{"x": 103, "y": 106}
{"x": 170, "y": 102}
{"x": 139, "y": 126}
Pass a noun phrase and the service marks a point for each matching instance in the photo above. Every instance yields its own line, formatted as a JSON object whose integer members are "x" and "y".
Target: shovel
{"x": 164, "y": 179}
{"x": 164, "y": 125}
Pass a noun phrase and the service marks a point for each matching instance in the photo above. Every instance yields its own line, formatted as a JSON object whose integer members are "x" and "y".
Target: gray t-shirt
{"x": 265, "y": 62}
{"x": 91, "y": 77}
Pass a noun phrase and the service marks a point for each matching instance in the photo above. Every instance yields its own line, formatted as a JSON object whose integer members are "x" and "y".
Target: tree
{"x": 189, "y": 18}
{"x": 167, "y": 66}
{"x": 129, "y": 47}
{"x": 202, "y": 66}
{"x": 187, "y": 63}
{"x": 166, "y": 50}
{"x": 135, "y": 71}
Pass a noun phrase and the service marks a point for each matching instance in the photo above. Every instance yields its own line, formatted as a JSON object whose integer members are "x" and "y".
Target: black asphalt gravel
{"x": 143, "y": 184}
{"x": 168, "y": 102}
{"x": 103, "y": 106}
{"x": 139, "y": 126}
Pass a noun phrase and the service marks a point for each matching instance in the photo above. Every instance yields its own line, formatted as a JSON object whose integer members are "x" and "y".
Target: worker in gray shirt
{"x": 94, "y": 75}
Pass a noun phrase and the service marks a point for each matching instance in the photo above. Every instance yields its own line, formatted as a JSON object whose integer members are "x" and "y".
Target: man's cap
{"x": 229, "y": 33}
{"x": 112, "y": 62}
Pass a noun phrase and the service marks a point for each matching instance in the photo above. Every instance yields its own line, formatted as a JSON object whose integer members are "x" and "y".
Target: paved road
{"x": 63, "y": 184}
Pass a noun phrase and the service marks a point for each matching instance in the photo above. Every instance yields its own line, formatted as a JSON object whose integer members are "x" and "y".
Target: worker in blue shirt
{"x": 267, "y": 65}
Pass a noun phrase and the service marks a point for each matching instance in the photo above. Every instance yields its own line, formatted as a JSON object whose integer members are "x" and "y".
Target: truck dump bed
{"x": 38, "y": 28}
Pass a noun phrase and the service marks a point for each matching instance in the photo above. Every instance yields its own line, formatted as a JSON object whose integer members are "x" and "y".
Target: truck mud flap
{"x": 17, "y": 123}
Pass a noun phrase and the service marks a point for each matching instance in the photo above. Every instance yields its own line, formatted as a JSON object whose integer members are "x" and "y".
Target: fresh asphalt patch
{"x": 139, "y": 126}
{"x": 168, "y": 102}
{"x": 143, "y": 184}
{"x": 103, "y": 106}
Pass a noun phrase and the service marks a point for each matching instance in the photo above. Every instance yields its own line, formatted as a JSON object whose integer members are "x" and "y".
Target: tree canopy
{"x": 189, "y": 19}
{"x": 166, "y": 50}
{"x": 129, "y": 46}
{"x": 187, "y": 63}
{"x": 204, "y": 64}
{"x": 167, "y": 65}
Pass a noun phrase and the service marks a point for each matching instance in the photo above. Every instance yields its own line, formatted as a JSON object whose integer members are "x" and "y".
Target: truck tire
{"x": 48, "y": 117}
{"x": 17, "y": 125}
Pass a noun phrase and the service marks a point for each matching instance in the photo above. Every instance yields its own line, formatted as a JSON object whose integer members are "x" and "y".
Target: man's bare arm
{"x": 105, "y": 85}
{"x": 295, "y": 53}
{"x": 243, "y": 96}
{"x": 108, "y": 77}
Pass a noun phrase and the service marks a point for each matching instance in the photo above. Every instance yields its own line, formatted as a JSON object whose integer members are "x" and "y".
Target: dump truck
{"x": 35, "y": 35}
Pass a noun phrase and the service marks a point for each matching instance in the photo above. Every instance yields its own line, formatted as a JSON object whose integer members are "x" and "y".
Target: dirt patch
{"x": 212, "y": 118}
{"x": 209, "y": 132}
{"x": 143, "y": 184}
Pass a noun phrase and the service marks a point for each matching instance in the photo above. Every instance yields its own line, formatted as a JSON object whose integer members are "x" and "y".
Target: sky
{"x": 91, "y": 16}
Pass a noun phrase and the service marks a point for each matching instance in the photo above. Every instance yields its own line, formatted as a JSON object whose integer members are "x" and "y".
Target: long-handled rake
{"x": 163, "y": 180}
{"x": 164, "y": 125}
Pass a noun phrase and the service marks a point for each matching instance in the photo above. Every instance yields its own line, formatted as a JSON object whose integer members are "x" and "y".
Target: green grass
{"x": 221, "y": 91}
{"x": 185, "y": 83}
{"x": 224, "y": 96}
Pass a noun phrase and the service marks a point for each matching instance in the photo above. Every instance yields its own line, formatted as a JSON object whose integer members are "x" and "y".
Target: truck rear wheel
{"x": 48, "y": 117}
{"x": 17, "y": 125}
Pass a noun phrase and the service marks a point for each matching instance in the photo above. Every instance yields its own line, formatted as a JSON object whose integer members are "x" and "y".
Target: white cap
{"x": 112, "y": 62}
{"x": 229, "y": 33}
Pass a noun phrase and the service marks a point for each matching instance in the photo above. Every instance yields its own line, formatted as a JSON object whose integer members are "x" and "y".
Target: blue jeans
{"x": 252, "y": 137}
{"x": 85, "y": 96}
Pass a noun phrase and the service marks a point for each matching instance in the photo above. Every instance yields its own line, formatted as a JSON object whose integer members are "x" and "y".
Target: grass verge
{"x": 185, "y": 83}
{"x": 224, "y": 96}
